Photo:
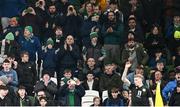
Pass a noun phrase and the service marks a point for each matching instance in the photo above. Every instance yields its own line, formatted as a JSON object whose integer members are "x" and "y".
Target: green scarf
{"x": 71, "y": 99}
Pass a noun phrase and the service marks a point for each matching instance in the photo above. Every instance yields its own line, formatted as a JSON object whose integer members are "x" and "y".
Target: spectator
{"x": 112, "y": 34}
{"x": 67, "y": 76}
{"x": 125, "y": 95}
{"x": 22, "y": 98}
{"x": 11, "y": 93}
{"x": 87, "y": 10}
{"x": 94, "y": 50}
{"x": 49, "y": 57}
{"x": 170, "y": 86}
{"x": 4, "y": 99}
{"x": 96, "y": 102}
{"x": 114, "y": 99}
{"x": 157, "y": 57}
{"x": 58, "y": 37}
{"x": 10, "y": 74}
{"x": 135, "y": 53}
{"x": 91, "y": 66}
{"x": 154, "y": 40}
{"x": 67, "y": 57}
{"x": 47, "y": 85}
{"x": 9, "y": 45}
{"x": 30, "y": 43}
{"x": 12, "y": 59}
{"x": 172, "y": 33}
{"x": 109, "y": 79}
{"x": 27, "y": 74}
{"x": 153, "y": 84}
{"x": 91, "y": 83}
{"x": 43, "y": 101}
{"x": 71, "y": 93}
{"x": 174, "y": 99}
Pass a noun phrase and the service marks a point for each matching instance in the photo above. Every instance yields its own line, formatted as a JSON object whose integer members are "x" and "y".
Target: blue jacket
{"x": 31, "y": 45}
{"x": 169, "y": 88}
{"x": 10, "y": 74}
{"x": 49, "y": 60}
{"x": 113, "y": 102}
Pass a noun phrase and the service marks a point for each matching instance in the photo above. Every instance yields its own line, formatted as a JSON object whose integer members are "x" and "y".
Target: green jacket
{"x": 141, "y": 54}
{"x": 114, "y": 38}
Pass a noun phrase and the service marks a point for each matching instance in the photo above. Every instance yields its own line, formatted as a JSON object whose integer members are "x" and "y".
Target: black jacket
{"x": 67, "y": 57}
{"x": 27, "y": 74}
{"x": 6, "y": 102}
{"x": 50, "y": 90}
{"x": 174, "y": 100}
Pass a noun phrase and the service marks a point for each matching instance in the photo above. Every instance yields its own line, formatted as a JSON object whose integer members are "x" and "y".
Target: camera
{"x": 70, "y": 8}
{"x": 40, "y": 2}
{"x": 28, "y": 10}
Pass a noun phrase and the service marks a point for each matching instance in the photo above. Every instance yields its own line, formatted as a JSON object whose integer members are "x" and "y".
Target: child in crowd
{"x": 67, "y": 77}
{"x": 96, "y": 102}
{"x": 49, "y": 57}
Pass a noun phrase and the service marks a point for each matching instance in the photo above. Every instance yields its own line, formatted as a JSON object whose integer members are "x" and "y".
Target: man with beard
{"x": 134, "y": 52}
{"x": 112, "y": 31}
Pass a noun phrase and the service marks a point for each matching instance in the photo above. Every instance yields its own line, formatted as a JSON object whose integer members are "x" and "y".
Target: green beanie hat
{"x": 29, "y": 28}
{"x": 177, "y": 34}
{"x": 9, "y": 36}
{"x": 93, "y": 35}
{"x": 50, "y": 41}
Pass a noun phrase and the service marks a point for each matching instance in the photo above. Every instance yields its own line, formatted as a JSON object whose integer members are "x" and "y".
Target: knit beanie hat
{"x": 9, "y": 36}
{"x": 4, "y": 79}
{"x": 50, "y": 41}
{"x": 177, "y": 34}
{"x": 29, "y": 28}
{"x": 93, "y": 35}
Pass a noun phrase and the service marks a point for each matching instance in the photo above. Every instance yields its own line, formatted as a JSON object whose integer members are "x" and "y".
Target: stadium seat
{"x": 91, "y": 93}
{"x": 87, "y": 101}
{"x": 104, "y": 95}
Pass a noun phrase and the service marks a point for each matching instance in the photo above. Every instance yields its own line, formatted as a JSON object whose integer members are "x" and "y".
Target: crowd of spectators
{"x": 124, "y": 47}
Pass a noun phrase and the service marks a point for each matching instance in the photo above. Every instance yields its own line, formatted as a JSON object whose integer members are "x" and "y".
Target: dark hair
{"x": 24, "y": 53}
{"x": 41, "y": 98}
{"x": 6, "y": 61}
{"x": 67, "y": 71}
{"x": 114, "y": 90}
{"x": 113, "y": 2}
